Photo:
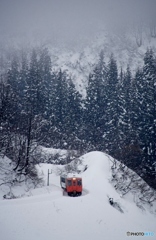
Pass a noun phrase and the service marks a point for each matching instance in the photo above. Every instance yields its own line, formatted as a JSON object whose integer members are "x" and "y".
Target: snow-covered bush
{"x": 13, "y": 183}
{"x": 126, "y": 181}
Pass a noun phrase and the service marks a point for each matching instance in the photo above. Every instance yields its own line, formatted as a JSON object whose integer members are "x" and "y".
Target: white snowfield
{"x": 49, "y": 215}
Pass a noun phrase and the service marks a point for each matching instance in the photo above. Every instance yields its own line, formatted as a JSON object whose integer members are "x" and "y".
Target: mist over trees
{"x": 41, "y": 106}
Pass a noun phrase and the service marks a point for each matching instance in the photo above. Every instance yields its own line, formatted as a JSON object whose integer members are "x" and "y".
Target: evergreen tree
{"x": 14, "y": 81}
{"x": 112, "y": 111}
{"x": 132, "y": 153}
{"x": 129, "y": 147}
{"x": 6, "y": 118}
{"x": 148, "y": 133}
{"x": 59, "y": 109}
{"x": 23, "y": 75}
{"x": 72, "y": 117}
{"x": 32, "y": 109}
{"x": 95, "y": 105}
{"x": 127, "y": 107}
{"x": 136, "y": 102}
{"x": 45, "y": 70}
{"x": 34, "y": 95}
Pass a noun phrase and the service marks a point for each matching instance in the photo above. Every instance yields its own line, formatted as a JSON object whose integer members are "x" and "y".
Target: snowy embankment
{"x": 47, "y": 214}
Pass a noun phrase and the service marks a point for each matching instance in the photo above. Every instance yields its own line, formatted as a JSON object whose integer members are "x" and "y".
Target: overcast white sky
{"x": 71, "y": 18}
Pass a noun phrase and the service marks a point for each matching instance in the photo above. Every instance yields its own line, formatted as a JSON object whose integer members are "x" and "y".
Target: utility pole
{"x": 48, "y": 177}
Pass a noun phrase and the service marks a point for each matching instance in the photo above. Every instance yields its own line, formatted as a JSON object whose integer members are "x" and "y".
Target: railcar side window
{"x": 62, "y": 179}
{"x": 79, "y": 182}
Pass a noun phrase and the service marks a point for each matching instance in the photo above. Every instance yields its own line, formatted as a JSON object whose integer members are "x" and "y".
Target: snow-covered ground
{"x": 47, "y": 214}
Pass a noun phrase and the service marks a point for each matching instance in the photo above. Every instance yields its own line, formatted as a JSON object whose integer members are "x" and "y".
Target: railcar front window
{"x": 79, "y": 182}
{"x": 69, "y": 183}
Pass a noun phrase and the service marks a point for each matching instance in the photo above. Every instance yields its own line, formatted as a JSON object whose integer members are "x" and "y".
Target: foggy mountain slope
{"x": 76, "y": 32}
{"x": 124, "y": 46}
{"x": 79, "y": 58}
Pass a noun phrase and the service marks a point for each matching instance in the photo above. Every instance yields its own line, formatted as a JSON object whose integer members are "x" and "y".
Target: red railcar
{"x": 72, "y": 185}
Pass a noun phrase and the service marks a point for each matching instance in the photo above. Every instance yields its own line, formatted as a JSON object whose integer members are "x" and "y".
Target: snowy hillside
{"x": 48, "y": 214}
{"x": 80, "y": 60}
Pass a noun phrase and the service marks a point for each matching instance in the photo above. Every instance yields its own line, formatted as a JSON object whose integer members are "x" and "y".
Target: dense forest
{"x": 41, "y": 106}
